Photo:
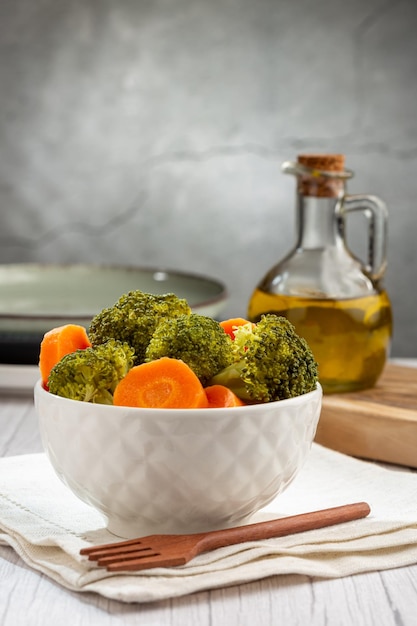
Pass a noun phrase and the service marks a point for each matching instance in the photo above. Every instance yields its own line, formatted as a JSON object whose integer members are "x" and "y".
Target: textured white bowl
{"x": 171, "y": 470}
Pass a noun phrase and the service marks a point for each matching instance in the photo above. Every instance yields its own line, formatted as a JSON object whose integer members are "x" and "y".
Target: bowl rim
{"x": 150, "y": 412}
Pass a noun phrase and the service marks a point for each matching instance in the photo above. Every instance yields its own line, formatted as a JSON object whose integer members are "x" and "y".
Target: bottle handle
{"x": 376, "y": 212}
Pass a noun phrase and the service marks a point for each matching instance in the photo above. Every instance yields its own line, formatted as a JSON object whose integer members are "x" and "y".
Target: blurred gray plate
{"x": 35, "y": 298}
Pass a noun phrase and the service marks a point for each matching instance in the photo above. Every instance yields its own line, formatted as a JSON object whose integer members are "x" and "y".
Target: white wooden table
{"x": 27, "y": 598}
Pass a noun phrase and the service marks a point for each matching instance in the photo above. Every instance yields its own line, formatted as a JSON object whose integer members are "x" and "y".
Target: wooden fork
{"x": 173, "y": 550}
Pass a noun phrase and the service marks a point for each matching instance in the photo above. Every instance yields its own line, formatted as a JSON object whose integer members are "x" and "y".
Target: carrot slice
{"x": 58, "y": 342}
{"x": 230, "y": 325}
{"x": 165, "y": 383}
{"x": 220, "y": 396}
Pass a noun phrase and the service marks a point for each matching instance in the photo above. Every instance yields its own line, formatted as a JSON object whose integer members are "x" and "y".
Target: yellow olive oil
{"x": 350, "y": 338}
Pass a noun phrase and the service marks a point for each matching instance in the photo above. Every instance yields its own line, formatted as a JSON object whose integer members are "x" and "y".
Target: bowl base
{"x": 131, "y": 529}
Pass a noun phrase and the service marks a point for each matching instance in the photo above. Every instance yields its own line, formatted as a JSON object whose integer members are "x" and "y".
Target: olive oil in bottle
{"x": 336, "y": 302}
{"x": 349, "y": 338}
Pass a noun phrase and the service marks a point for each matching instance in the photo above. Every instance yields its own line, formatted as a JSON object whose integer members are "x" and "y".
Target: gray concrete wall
{"x": 152, "y": 133}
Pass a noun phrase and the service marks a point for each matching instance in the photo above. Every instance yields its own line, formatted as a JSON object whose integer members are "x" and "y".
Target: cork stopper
{"x": 323, "y": 162}
{"x": 314, "y": 184}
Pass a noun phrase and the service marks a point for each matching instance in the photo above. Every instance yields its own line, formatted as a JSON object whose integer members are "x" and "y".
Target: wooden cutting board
{"x": 378, "y": 423}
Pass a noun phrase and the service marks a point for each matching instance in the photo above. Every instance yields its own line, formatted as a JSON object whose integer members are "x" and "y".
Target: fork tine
{"x": 115, "y": 558}
{"x": 146, "y": 563}
{"x": 119, "y": 544}
{"x": 115, "y": 550}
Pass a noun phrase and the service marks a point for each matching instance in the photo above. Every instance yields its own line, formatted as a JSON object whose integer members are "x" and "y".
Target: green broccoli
{"x": 133, "y": 319}
{"x": 92, "y": 374}
{"x": 197, "y": 340}
{"x": 272, "y": 362}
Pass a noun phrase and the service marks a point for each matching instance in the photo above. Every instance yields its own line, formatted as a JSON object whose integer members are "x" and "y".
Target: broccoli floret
{"x": 133, "y": 319}
{"x": 92, "y": 374}
{"x": 272, "y": 362}
{"x": 197, "y": 340}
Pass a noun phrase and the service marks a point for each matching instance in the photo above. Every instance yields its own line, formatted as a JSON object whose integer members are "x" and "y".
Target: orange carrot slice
{"x": 58, "y": 342}
{"x": 220, "y": 396}
{"x": 230, "y": 325}
{"x": 165, "y": 383}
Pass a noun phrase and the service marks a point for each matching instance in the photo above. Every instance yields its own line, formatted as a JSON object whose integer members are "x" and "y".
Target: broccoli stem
{"x": 231, "y": 377}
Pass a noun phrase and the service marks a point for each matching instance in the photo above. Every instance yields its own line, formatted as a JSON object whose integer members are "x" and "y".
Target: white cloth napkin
{"x": 47, "y": 525}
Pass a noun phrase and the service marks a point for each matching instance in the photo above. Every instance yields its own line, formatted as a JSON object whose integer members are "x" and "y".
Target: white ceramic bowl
{"x": 171, "y": 470}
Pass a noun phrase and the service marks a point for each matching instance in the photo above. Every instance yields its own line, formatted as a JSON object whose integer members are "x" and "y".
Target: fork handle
{"x": 283, "y": 526}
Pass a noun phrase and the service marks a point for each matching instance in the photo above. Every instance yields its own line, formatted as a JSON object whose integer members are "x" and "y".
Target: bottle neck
{"x": 318, "y": 224}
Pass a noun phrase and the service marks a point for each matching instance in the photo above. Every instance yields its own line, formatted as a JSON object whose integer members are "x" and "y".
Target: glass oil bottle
{"x": 335, "y": 301}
